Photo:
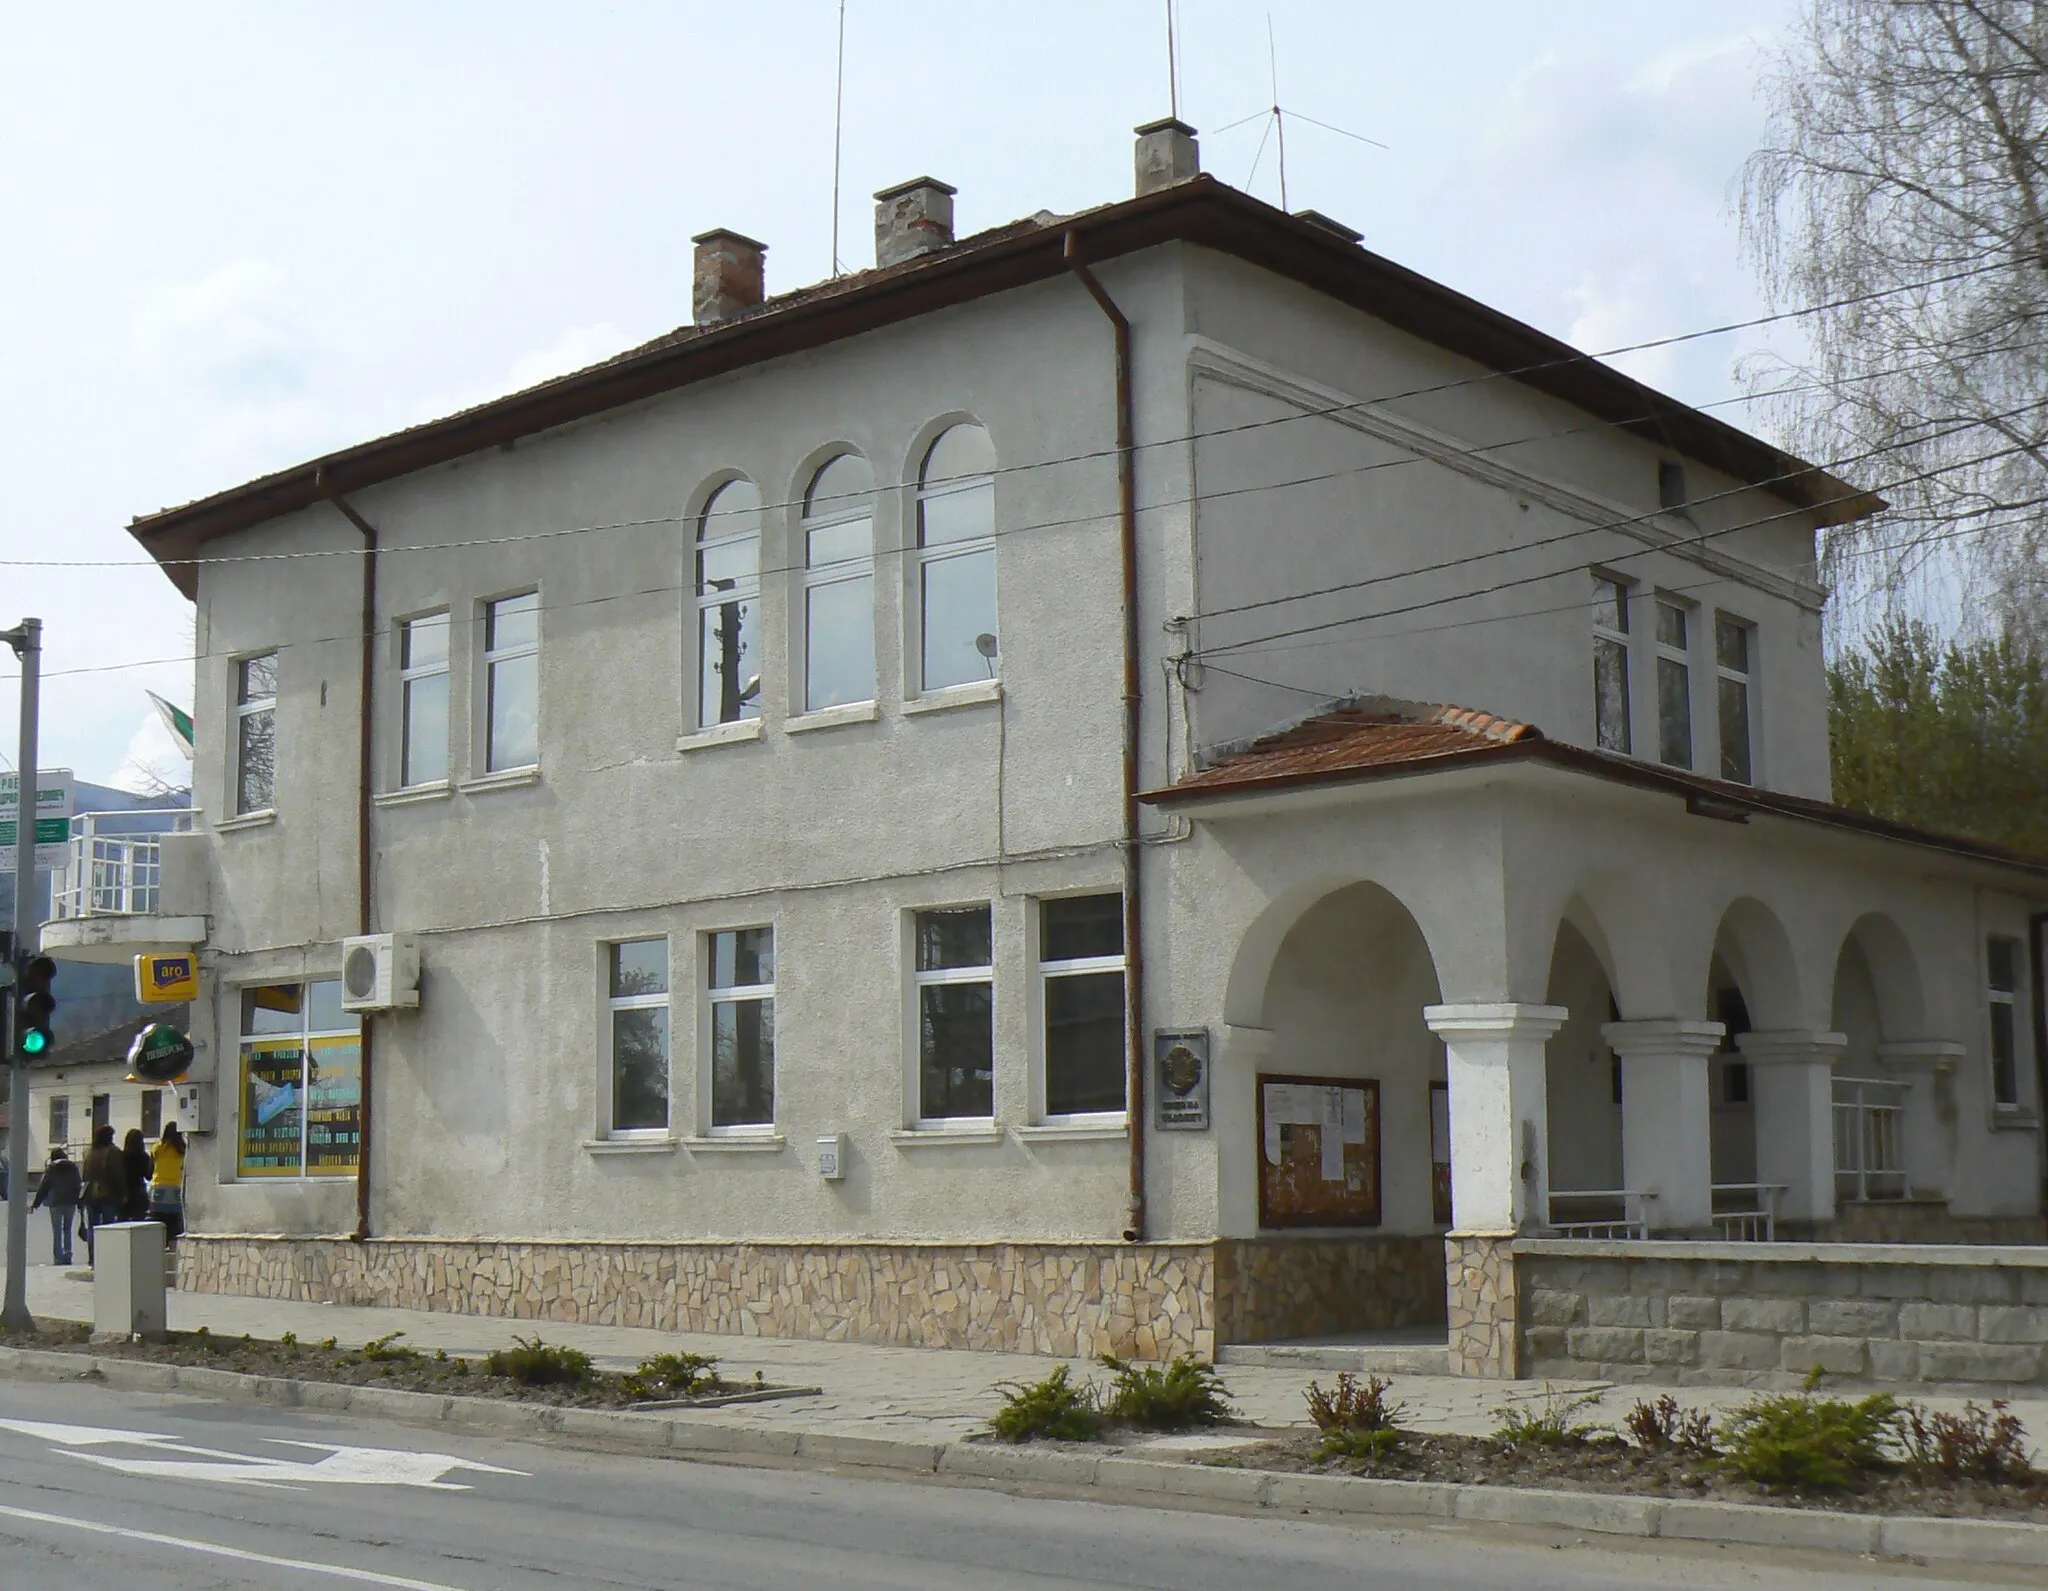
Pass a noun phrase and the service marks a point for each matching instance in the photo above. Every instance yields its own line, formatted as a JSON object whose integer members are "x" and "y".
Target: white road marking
{"x": 218, "y": 1550}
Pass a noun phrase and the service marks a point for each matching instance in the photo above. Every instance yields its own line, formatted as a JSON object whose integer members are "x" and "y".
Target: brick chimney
{"x": 913, "y": 218}
{"x": 729, "y": 275}
{"x": 1167, "y": 153}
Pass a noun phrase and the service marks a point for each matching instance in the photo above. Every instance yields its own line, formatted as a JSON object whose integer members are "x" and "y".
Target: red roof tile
{"x": 1367, "y": 734}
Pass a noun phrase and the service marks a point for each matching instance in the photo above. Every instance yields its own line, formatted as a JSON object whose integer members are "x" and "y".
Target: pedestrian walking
{"x": 60, "y": 1190}
{"x": 105, "y": 1177}
{"x": 167, "y": 1182}
{"x": 135, "y": 1185}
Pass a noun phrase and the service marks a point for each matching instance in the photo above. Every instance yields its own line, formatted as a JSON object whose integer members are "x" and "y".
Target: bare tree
{"x": 1903, "y": 195}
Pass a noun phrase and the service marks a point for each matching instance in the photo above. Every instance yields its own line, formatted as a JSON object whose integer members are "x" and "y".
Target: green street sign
{"x": 49, "y": 831}
{"x": 159, "y": 1054}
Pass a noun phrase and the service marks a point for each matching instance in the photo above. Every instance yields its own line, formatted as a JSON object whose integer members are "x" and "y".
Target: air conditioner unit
{"x": 380, "y": 972}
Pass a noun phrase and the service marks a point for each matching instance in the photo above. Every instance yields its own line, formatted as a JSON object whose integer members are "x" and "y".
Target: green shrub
{"x": 388, "y": 1347}
{"x": 1554, "y": 1422}
{"x": 1358, "y": 1446}
{"x": 1796, "y": 1441}
{"x": 1662, "y": 1427}
{"x": 1354, "y": 1405}
{"x": 1987, "y": 1444}
{"x": 1053, "y": 1409}
{"x": 1173, "y": 1397}
{"x": 673, "y": 1375}
{"x": 533, "y": 1363}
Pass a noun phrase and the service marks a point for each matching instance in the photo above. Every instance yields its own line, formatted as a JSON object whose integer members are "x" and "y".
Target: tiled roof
{"x": 1375, "y": 733}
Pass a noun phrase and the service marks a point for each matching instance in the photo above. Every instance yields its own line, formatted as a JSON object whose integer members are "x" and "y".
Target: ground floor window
{"x": 301, "y": 1082}
{"x": 1081, "y": 965}
{"x": 60, "y": 1120}
{"x": 955, "y": 1015}
{"x": 637, "y": 992}
{"x": 741, "y": 993}
{"x": 152, "y": 1113}
{"x": 2002, "y": 965}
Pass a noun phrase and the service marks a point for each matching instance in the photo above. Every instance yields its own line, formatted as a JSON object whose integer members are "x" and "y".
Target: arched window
{"x": 956, "y": 554}
{"x": 728, "y": 605}
{"x": 839, "y": 584}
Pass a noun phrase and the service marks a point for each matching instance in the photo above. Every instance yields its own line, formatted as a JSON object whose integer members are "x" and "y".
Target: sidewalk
{"x": 929, "y": 1394}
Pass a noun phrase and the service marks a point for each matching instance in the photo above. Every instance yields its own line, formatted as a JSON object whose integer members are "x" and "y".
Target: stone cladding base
{"x": 1271, "y": 1288}
{"x": 1485, "y": 1305}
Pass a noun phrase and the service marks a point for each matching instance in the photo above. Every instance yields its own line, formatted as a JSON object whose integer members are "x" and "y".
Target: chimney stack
{"x": 912, "y": 218}
{"x": 729, "y": 276}
{"x": 1167, "y": 153}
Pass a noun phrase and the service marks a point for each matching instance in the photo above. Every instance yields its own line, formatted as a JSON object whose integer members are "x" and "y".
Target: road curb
{"x": 1980, "y": 1541}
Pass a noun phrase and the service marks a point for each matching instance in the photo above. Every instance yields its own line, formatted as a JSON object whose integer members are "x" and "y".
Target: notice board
{"x": 1319, "y": 1151}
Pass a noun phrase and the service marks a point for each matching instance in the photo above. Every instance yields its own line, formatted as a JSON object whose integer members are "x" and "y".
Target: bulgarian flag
{"x": 176, "y": 720}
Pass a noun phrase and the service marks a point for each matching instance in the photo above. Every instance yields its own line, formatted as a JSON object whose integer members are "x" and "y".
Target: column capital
{"x": 1915, "y": 1055}
{"x": 1663, "y": 1038}
{"x": 1792, "y": 1047}
{"x": 1507, "y": 1020}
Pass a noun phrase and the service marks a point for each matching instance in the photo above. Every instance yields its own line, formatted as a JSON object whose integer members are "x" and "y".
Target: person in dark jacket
{"x": 106, "y": 1179}
{"x": 60, "y": 1189}
{"x": 135, "y": 1191}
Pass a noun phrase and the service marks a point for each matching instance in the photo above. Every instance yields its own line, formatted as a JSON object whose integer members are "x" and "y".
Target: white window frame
{"x": 1049, "y": 972}
{"x": 1995, "y": 997}
{"x": 305, "y": 1036}
{"x": 612, "y": 1004}
{"x": 246, "y": 708}
{"x": 922, "y": 980}
{"x": 408, "y": 675}
{"x": 746, "y": 589}
{"x": 1663, "y": 652}
{"x": 1621, "y": 637}
{"x": 715, "y": 995}
{"x": 495, "y": 655}
{"x": 926, "y": 556}
{"x": 1746, "y": 678}
{"x": 818, "y": 577}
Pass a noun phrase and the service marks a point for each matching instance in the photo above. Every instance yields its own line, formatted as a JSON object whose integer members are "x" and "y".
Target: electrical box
{"x": 195, "y": 1107}
{"x": 832, "y": 1157}
{"x": 380, "y": 972}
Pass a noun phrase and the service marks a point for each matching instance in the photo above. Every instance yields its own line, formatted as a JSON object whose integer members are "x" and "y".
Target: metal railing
{"x": 1870, "y": 1117}
{"x": 1747, "y": 1212}
{"x": 1603, "y": 1214}
{"x": 114, "y": 867}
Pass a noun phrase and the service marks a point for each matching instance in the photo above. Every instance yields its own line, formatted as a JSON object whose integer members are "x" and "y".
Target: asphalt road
{"x": 112, "y": 1491}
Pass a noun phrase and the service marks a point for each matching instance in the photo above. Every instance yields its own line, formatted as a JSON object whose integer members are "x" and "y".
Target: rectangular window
{"x": 256, "y": 733}
{"x": 152, "y": 1113}
{"x": 1671, "y": 488}
{"x": 1674, "y": 686}
{"x": 1081, "y": 969}
{"x": 637, "y": 992}
{"x": 60, "y": 1120}
{"x": 740, "y": 990}
{"x": 302, "y": 1082}
{"x": 1734, "y": 648}
{"x": 955, "y": 1015}
{"x": 102, "y": 1110}
{"x": 2002, "y": 977}
{"x": 512, "y": 683}
{"x": 423, "y": 691}
{"x": 1610, "y": 664}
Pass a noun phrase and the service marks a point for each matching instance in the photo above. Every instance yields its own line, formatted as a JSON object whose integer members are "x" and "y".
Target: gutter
{"x": 365, "y": 746}
{"x": 1134, "y": 943}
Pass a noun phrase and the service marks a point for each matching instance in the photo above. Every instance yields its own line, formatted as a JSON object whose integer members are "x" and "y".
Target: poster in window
{"x": 334, "y": 1097}
{"x": 273, "y": 1105}
{"x": 1440, "y": 1153}
{"x": 1319, "y": 1151}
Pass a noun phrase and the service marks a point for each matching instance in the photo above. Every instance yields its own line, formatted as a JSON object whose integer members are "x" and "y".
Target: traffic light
{"x": 33, "y": 1007}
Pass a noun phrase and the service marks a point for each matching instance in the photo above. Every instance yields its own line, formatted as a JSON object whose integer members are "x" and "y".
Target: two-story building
{"x": 924, "y": 813}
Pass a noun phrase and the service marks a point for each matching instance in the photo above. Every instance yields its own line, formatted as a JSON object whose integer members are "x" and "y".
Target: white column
{"x": 1666, "y": 1145}
{"x": 1500, "y": 1152}
{"x": 1928, "y": 1068}
{"x": 1792, "y": 1091}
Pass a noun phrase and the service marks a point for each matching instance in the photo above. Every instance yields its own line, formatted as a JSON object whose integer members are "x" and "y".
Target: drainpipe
{"x": 1134, "y": 945}
{"x": 366, "y": 743}
{"x": 2037, "y": 942}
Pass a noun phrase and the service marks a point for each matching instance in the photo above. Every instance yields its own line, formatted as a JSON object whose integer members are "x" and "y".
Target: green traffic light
{"x": 34, "y": 1042}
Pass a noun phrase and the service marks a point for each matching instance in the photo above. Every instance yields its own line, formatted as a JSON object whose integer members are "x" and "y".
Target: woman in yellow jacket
{"x": 167, "y": 1182}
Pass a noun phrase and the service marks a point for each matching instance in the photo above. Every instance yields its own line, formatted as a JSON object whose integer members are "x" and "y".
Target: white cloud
{"x": 154, "y": 760}
{"x": 235, "y": 330}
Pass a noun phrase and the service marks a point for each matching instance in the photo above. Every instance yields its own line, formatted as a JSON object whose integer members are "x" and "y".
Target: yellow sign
{"x": 166, "y": 980}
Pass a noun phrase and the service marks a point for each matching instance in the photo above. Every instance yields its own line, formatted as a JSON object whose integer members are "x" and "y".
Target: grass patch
{"x": 1055, "y": 1409}
{"x": 1555, "y": 1422}
{"x": 1183, "y": 1393}
{"x": 533, "y": 1363}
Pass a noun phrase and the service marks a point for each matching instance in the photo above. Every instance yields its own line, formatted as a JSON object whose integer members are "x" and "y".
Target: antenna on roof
{"x": 1172, "y": 62}
{"x": 838, "y": 124}
{"x": 1274, "y": 117}
{"x": 1279, "y": 121}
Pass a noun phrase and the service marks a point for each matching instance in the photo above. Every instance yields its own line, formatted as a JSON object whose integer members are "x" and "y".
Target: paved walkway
{"x": 939, "y": 1393}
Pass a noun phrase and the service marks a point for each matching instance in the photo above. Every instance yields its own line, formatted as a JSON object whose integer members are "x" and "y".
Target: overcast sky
{"x": 242, "y": 234}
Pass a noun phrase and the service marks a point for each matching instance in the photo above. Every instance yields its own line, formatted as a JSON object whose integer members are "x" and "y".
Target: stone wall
{"x": 1926, "y": 1221}
{"x": 1269, "y": 1289}
{"x": 1141, "y": 1300}
{"x": 1765, "y": 1314}
{"x": 1484, "y": 1295}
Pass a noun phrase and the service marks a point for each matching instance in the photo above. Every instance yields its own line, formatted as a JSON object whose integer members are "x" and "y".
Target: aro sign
{"x": 159, "y": 1054}
{"x": 166, "y": 980}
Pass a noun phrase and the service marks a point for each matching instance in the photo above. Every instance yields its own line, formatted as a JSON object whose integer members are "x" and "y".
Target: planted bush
{"x": 1184, "y": 1393}
{"x": 673, "y": 1375}
{"x": 1354, "y": 1405}
{"x": 1554, "y": 1422}
{"x": 1796, "y": 1441}
{"x": 1055, "y": 1409}
{"x": 1983, "y": 1444}
{"x": 386, "y": 1348}
{"x": 533, "y": 1363}
{"x": 1663, "y": 1427}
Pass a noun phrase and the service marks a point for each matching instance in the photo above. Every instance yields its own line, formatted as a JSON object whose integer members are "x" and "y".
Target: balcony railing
{"x": 1747, "y": 1212}
{"x": 114, "y": 867}
{"x": 1604, "y": 1214}
{"x": 1869, "y": 1121}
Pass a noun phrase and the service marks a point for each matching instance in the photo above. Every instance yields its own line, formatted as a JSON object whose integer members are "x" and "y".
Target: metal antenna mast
{"x": 838, "y": 125}
{"x": 1279, "y": 118}
{"x": 1172, "y": 64}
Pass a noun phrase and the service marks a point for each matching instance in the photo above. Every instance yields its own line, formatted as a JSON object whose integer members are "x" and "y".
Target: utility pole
{"x": 27, "y": 640}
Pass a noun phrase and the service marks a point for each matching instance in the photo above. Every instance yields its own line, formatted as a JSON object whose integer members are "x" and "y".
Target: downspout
{"x": 365, "y": 746}
{"x": 1134, "y": 944}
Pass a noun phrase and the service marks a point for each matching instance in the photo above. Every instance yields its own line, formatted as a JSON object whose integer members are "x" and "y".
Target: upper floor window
{"x": 728, "y": 605}
{"x": 839, "y": 584}
{"x": 740, "y": 989}
{"x": 512, "y": 682}
{"x": 2002, "y": 980}
{"x": 1610, "y": 663}
{"x": 1671, "y": 488}
{"x": 637, "y": 1005}
{"x": 256, "y": 733}
{"x": 423, "y": 704}
{"x": 1081, "y": 969}
{"x": 956, "y": 555}
{"x": 301, "y": 1082}
{"x": 1734, "y": 658}
{"x": 955, "y": 1015}
{"x": 1674, "y": 684}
